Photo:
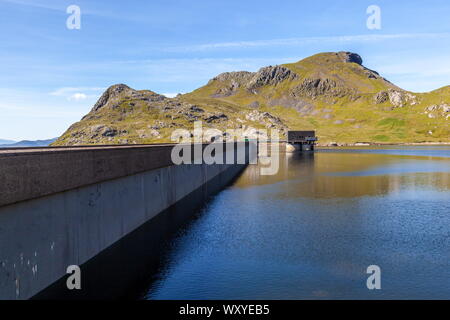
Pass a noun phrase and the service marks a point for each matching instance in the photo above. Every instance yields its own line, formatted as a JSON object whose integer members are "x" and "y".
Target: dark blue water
{"x": 311, "y": 231}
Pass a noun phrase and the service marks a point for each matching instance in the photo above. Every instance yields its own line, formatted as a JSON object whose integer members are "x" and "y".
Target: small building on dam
{"x": 301, "y": 141}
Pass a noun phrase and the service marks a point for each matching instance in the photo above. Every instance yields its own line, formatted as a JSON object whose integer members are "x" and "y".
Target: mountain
{"x": 28, "y": 143}
{"x": 332, "y": 93}
{"x": 4, "y": 141}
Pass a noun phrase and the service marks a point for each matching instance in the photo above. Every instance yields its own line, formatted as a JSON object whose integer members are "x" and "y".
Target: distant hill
{"x": 28, "y": 143}
{"x": 3, "y": 141}
{"x": 332, "y": 93}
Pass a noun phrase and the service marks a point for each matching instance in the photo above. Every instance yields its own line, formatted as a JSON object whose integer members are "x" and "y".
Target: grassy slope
{"x": 363, "y": 120}
{"x": 346, "y": 119}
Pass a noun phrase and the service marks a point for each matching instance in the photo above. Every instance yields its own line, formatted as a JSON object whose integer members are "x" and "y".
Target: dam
{"x": 106, "y": 209}
{"x": 142, "y": 228}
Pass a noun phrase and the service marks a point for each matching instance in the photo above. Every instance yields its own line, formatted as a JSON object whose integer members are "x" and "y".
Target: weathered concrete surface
{"x": 32, "y": 173}
{"x": 39, "y": 238}
{"x": 124, "y": 270}
{"x": 35, "y": 172}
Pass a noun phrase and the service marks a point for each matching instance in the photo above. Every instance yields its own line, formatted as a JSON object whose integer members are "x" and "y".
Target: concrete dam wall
{"x": 106, "y": 209}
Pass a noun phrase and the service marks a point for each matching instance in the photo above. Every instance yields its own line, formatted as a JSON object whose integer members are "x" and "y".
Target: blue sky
{"x": 51, "y": 76}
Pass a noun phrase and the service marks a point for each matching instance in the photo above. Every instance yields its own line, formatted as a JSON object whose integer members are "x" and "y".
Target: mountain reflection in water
{"x": 311, "y": 231}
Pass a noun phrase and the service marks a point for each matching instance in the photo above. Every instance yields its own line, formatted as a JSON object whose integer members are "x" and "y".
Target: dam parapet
{"x": 68, "y": 206}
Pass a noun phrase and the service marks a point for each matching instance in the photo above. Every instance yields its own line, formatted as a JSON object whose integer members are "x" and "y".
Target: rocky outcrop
{"x": 230, "y": 82}
{"x": 370, "y": 74}
{"x": 251, "y": 81}
{"x": 94, "y": 134}
{"x": 398, "y": 98}
{"x": 148, "y": 133}
{"x": 254, "y": 105}
{"x": 111, "y": 95}
{"x": 270, "y": 76}
{"x": 117, "y": 93}
{"x": 270, "y": 121}
{"x": 438, "y": 110}
{"x": 240, "y": 77}
{"x": 196, "y": 109}
{"x": 313, "y": 88}
{"x": 381, "y": 97}
{"x": 230, "y": 89}
{"x": 161, "y": 125}
{"x": 350, "y": 57}
{"x": 216, "y": 118}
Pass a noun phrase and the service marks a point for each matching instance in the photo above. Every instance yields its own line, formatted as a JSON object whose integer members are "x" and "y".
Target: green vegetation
{"x": 381, "y": 137}
{"x": 332, "y": 93}
{"x": 391, "y": 123}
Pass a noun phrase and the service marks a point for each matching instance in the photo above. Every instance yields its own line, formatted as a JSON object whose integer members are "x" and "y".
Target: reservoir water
{"x": 311, "y": 230}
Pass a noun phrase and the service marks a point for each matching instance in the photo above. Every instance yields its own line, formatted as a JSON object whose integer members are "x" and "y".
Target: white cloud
{"x": 36, "y": 5}
{"x": 35, "y": 111}
{"x": 70, "y": 90}
{"x": 194, "y": 71}
{"x": 78, "y": 96}
{"x": 309, "y": 40}
{"x": 61, "y": 7}
{"x": 77, "y": 93}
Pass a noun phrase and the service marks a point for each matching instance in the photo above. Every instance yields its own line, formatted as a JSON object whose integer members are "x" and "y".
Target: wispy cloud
{"x": 85, "y": 9}
{"x": 38, "y": 111}
{"x": 35, "y": 4}
{"x": 307, "y": 40}
{"x": 9, "y": 107}
{"x": 77, "y": 93}
{"x": 78, "y": 96}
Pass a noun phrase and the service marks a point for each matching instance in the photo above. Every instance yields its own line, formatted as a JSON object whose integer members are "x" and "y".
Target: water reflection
{"x": 326, "y": 174}
{"x": 311, "y": 231}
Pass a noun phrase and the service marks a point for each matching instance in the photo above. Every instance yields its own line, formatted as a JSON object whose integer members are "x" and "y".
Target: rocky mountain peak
{"x": 239, "y": 76}
{"x": 116, "y": 94}
{"x": 350, "y": 57}
{"x": 271, "y": 75}
{"x": 113, "y": 92}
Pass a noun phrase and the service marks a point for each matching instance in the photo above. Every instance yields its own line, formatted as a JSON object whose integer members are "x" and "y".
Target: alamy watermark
{"x": 73, "y": 22}
{"x": 189, "y": 148}
{"x": 374, "y": 19}
{"x": 73, "y": 281}
{"x": 374, "y": 280}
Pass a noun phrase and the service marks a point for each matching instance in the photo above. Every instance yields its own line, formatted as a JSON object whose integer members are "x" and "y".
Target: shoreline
{"x": 372, "y": 144}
